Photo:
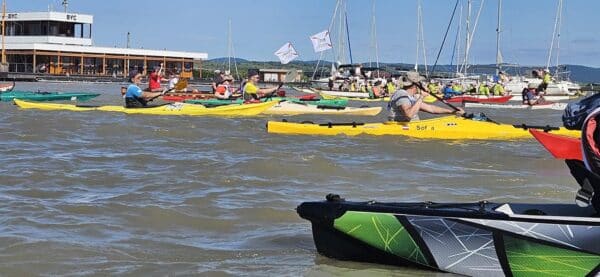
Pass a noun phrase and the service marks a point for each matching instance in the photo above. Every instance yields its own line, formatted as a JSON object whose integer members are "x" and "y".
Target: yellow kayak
{"x": 168, "y": 109}
{"x": 448, "y": 127}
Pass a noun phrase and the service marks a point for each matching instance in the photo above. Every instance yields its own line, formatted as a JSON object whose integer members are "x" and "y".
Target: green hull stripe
{"x": 533, "y": 259}
{"x": 382, "y": 231}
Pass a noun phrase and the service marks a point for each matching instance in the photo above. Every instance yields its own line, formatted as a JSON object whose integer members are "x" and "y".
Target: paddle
{"x": 546, "y": 128}
{"x": 290, "y": 76}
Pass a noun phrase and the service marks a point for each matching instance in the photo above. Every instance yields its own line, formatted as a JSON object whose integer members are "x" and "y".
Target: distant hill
{"x": 578, "y": 73}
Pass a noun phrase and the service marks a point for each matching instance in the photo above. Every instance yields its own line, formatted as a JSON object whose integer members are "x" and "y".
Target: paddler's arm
{"x": 439, "y": 110}
{"x": 150, "y": 95}
{"x": 409, "y": 110}
{"x": 268, "y": 91}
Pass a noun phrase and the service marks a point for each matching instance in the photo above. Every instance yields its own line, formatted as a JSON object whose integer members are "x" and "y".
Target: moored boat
{"x": 167, "y": 109}
{"x": 4, "y": 87}
{"x": 479, "y": 99}
{"x": 46, "y": 96}
{"x": 476, "y": 239}
{"x": 449, "y": 127}
{"x": 561, "y": 147}
{"x": 294, "y": 108}
{"x": 319, "y": 102}
{"x": 545, "y": 106}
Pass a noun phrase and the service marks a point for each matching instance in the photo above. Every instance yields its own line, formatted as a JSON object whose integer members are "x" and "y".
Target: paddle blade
{"x": 561, "y": 147}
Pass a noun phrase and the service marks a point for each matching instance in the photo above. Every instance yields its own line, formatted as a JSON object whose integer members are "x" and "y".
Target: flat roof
{"x": 50, "y": 16}
{"x": 106, "y": 50}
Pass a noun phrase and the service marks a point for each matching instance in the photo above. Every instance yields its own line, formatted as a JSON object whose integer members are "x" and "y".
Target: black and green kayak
{"x": 46, "y": 96}
{"x": 318, "y": 102}
{"x": 476, "y": 239}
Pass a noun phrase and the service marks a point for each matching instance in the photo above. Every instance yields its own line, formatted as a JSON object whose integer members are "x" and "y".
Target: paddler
{"x": 530, "y": 96}
{"x": 405, "y": 104}
{"x": 155, "y": 78}
{"x": 135, "y": 97}
{"x": 251, "y": 90}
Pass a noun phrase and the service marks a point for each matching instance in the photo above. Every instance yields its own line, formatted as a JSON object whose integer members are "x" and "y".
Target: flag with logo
{"x": 286, "y": 53}
{"x": 321, "y": 41}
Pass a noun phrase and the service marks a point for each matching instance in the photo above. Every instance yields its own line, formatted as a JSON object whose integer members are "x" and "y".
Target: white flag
{"x": 321, "y": 41}
{"x": 286, "y": 53}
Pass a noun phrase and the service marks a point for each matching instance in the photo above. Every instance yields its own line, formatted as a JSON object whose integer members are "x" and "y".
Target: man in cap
{"x": 251, "y": 90}
{"x": 530, "y": 96}
{"x": 135, "y": 97}
{"x": 406, "y": 103}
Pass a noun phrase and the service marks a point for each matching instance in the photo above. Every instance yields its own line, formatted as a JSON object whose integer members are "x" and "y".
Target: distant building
{"x": 277, "y": 75}
{"x": 60, "y": 43}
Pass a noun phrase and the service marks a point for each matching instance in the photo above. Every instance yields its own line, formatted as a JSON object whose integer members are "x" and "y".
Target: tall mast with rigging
{"x": 498, "y": 54}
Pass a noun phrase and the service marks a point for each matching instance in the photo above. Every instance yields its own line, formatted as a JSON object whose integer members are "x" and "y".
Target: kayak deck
{"x": 449, "y": 127}
{"x": 46, "y": 96}
{"x": 168, "y": 109}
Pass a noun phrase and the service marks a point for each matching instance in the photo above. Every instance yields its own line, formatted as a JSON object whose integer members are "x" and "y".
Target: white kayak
{"x": 348, "y": 94}
{"x": 304, "y": 90}
{"x": 291, "y": 108}
{"x": 549, "y": 106}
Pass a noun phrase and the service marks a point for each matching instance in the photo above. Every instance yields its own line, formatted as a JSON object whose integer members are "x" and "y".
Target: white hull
{"x": 290, "y": 108}
{"x": 345, "y": 94}
{"x": 516, "y": 86}
{"x": 553, "y": 106}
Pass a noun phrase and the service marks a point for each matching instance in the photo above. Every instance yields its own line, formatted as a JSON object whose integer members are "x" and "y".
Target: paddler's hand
{"x": 460, "y": 112}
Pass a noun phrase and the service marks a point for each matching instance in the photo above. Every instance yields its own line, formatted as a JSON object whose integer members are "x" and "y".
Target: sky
{"x": 260, "y": 27}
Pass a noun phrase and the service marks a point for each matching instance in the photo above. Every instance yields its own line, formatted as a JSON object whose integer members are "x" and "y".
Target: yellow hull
{"x": 169, "y": 109}
{"x": 449, "y": 127}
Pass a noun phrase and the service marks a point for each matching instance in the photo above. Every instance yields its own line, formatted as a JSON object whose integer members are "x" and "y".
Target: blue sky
{"x": 260, "y": 27}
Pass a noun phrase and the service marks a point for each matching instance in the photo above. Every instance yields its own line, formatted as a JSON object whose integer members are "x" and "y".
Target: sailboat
{"x": 559, "y": 89}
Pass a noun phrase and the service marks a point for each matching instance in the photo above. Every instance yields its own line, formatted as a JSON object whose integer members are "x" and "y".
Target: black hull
{"x": 472, "y": 239}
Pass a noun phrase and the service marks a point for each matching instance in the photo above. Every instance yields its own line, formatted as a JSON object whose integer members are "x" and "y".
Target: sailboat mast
{"x": 554, "y": 34}
{"x": 558, "y": 35}
{"x": 348, "y": 36}
{"x": 229, "y": 45}
{"x": 498, "y": 55}
{"x": 468, "y": 37}
{"x": 418, "y": 37}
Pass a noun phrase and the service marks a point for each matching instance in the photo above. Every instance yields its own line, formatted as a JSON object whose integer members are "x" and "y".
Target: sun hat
{"x": 531, "y": 85}
{"x": 411, "y": 78}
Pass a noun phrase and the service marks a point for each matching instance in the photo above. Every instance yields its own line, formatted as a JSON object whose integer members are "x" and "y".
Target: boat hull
{"x": 292, "y": 108}
{"x": 561, "y": 147}
{"x": 479, "y": 99}
{"x": 475, "y": 239}
{"x": 449, "y": 127}
{"x": 169, "y": 109}
{"x": 46, "y": 96}
{"x": 549, "y": 106}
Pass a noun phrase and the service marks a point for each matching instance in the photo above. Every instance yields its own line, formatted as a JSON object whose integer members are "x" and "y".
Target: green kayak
{"x": 46, "y": 96}
{"x": 320, "y": 102}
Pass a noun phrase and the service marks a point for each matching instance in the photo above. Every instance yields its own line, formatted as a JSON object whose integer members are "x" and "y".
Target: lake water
{"x": 109, "y": 193}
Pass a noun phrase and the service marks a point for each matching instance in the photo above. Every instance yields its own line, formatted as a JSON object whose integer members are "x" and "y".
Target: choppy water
{"x": 106, "y": 193}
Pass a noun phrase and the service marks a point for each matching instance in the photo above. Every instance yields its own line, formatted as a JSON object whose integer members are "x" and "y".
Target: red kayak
{"x": 480, "y": 99}
{"x": 561, "y": 147}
